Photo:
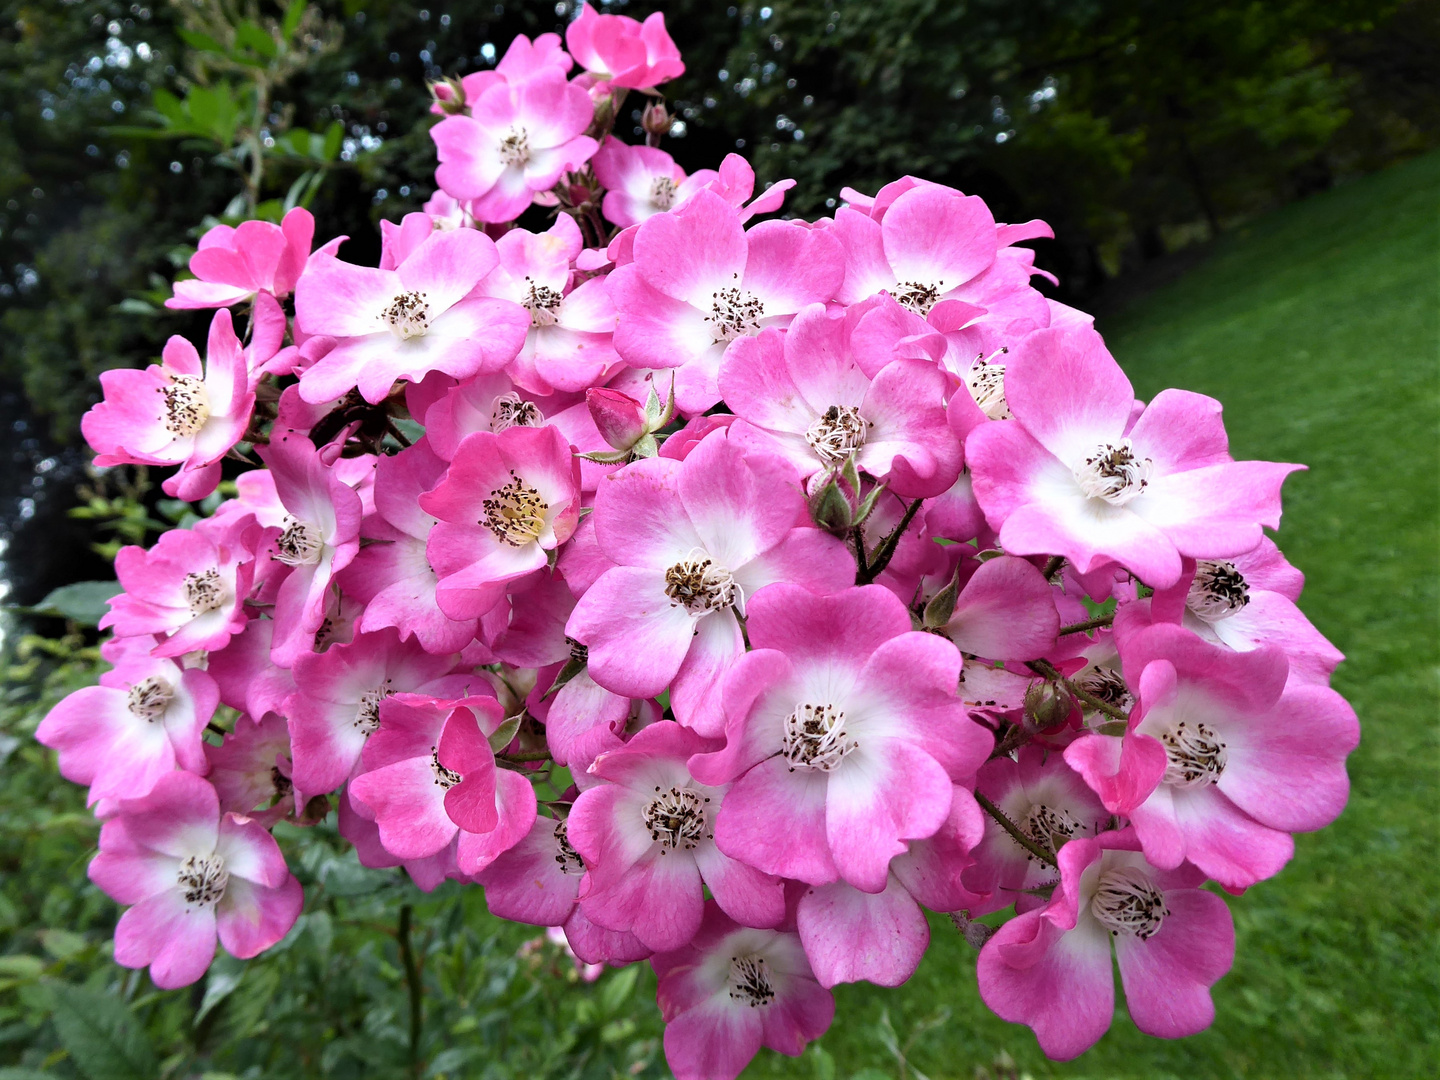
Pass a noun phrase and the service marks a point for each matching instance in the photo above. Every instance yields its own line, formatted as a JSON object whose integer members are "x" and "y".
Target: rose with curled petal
{"x": 1223, "y": 756}
{"x": 1050, "y": 968}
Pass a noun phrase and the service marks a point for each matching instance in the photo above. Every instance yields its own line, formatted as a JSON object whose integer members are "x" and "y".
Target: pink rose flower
{"x": 176, "y": 412}
{"x": 622, "y": 51}
{"x": 191, "y": 875}
{"x": 844, "y": 724}
{"x": 236, "y": 264}
{"x": 732, "y": 990}
{"x": 1072, "y": 475}
{"x": 692, "y": 543}
{"x": 1051, "y": 968}
{"x": 405, "y": 322}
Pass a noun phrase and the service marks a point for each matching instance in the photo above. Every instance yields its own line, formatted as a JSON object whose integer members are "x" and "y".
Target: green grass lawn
{"x": 1317, "y": 328}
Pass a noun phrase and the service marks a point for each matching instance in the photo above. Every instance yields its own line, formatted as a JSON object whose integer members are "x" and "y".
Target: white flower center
{"x": 1112, "y": 472}
{"x": 300, "y": 544}
{"x": 1127, "y": 901}
{"x": 566, "y": 855}
{"x": 677, "y": 818}
{"x": 815, "y": 738}
{"x": 734, "y": 313}
{"x": 1194, "y": 755}
{"x": 1048, "y": 826}
{"x": 510, "y": 411}
{"x": 750, "y": 981}
{"x": 986, "y": 382}
{"x": 444, "y": 778}
{"x": 204, "y": 592}
{"x": 203, "y": 879}
{"x": 701, "y": 585}
{"x": 1218, "y": 591}
{"x": 918, "y": 296}
{"x": 408, "y": 315}
{"x": 662, "y": 193}
{"x": 187, "y": 406}
{"x": 515, "y": 147}
{"x": 515, "y": 513}
{"x": 837, "y": 433}
{"x": 149, "y": 699}
{"x": 543, "y": 303}
{"x": 367, "y": 709}
{"x": 1108, "y": 685}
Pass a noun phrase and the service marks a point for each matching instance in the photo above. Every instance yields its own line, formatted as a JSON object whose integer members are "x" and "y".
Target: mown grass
{"x": 1317, "y": 327}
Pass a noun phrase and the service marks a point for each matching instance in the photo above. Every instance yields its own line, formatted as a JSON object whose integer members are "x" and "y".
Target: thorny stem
{"x": 1014, "y": 830}
{"x": 886, "y": 551}
{"x": 1089, "y": 624}
{"x": 1042, "y": 667}
{"x": 412, "y": 982}
{"x": 1053, "y": 566}
{"x": 862, "y": 569}
{"x": 1015, "y": 738}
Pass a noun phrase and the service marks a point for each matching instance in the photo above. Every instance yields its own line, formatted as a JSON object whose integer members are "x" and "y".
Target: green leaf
{"x": 293, "y": 14}
{"x": 83, "y": 602}
{"x": 617, "y": 988}
{"x": 25, "y": 1074}
{"x": 249, "y": 35}
{"x": 203, "y": 42}
{"x": 103, "y": 1038}
{"x": 220, "y": 982}
{"x": 334, "y": 140}
{"x": 505, "y": 733}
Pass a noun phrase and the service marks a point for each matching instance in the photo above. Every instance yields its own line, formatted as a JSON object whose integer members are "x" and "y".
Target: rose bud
{"x": 620, "y": 418}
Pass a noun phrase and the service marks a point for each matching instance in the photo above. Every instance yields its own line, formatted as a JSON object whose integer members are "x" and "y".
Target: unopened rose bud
{"x": 449, "y": 97}
{"x": 1047, "y": 704}
{"x": 656, "y": 120}
{"x": 620, "y": 418}
{"x": 830, "y": 510}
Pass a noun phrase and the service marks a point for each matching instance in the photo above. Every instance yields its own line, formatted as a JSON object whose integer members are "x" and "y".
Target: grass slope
{"x": 1317, "y": 328}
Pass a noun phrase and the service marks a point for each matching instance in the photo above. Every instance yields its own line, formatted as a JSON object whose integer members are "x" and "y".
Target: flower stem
{"x": 412, "y": 982}
{"x": 1014, "y": 831}
{"x": 1089, "y": 624}
{"x": 886, "y": 551}
{"x": 1051, "y": 567}
{"x": 1042, "y": 667}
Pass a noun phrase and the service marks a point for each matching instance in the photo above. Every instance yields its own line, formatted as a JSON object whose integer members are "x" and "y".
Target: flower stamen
{"x": 677, "y": 818}
{"x": 203, "y": 879}
{"x": 515, "y": 512}
{"x": 204, "y": 592}
{"x": 815, "y": 738}
{"x": 187, "y": 405}
{"x": 1127, "y": 901}
{"x": 149, "y": 699}
{"x": 837, "y": 433}
{"x": 1113, "y": 473}
{"x": 1194, "y": 756}
{"x": 750, "y": 981}
{"x": 701, "y": 586}
{"x": 408, "y": 315}
{"x": 1218, "y": 591}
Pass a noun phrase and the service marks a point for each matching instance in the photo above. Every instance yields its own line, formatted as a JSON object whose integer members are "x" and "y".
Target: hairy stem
{"x": 1089, "y": 624}
{"x": 1014, "y": 830}
{"x": 1053, "y": 566}
{"x": 1042, "y": 667}
{"x": 886, "y": 551}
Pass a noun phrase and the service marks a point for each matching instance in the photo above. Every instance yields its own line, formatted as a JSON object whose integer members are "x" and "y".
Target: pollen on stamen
{"x": 202, "y": 879}
{"x": 1127, "y": 901}
{"x": 837, "y": 433}
{"x": 149, "y": 699}
{"x": 408, "y": 315}
{"x": 1218, "y": 591}
{"x": 700, "y": 585}
{"x": 204, "y": 592}
{"x": 662, "y": 193}
{"x": 815, "y": 738}
{"x": 187, "y": 405}
{"x": 515, "y": 512}
{"x": 509, "y": 410}
{"x": 1112, "y": 472}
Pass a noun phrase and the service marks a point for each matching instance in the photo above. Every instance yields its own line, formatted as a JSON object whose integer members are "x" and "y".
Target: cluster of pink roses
{"x": 776, "y": 551}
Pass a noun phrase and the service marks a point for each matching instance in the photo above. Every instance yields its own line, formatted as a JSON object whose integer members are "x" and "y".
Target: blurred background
{"x": 1246, "y": 194}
